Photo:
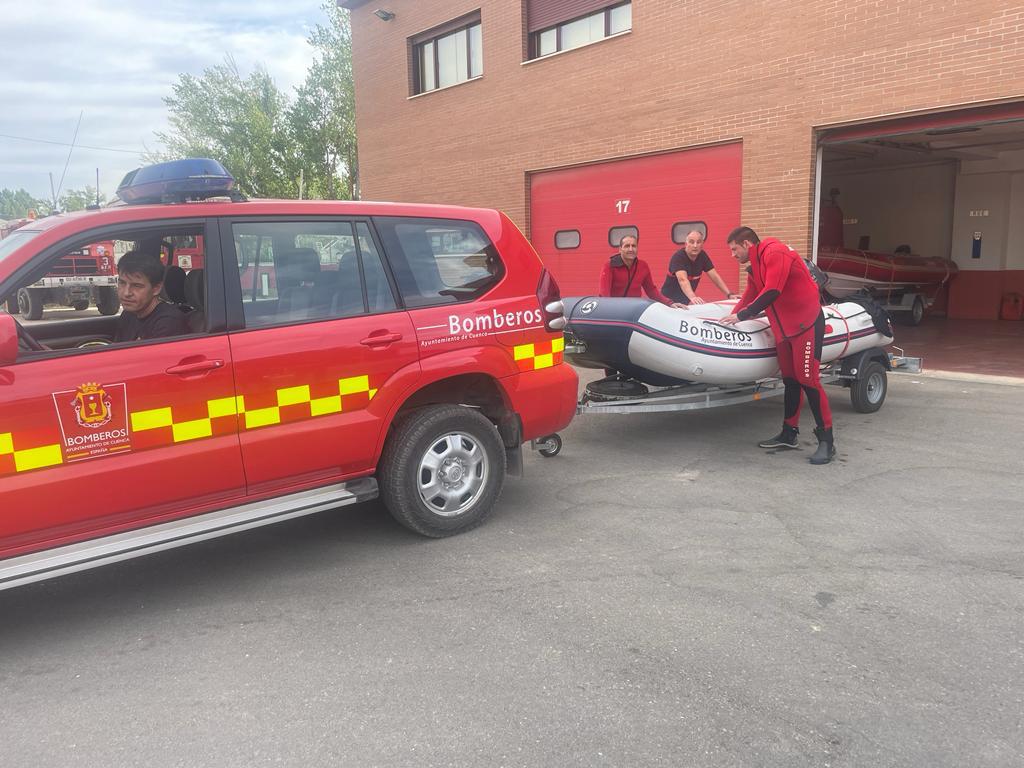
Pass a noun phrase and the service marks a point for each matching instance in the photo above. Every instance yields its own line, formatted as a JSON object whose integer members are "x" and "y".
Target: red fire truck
{"x": 83, "y": 276}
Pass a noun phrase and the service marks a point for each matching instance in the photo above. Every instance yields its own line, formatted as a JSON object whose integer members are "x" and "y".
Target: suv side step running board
{"x": 82, "y": 555}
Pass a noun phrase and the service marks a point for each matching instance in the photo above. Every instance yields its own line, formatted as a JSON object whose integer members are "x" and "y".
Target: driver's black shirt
{"x": 165, "y": 320}
{"x": 694, "y": 269}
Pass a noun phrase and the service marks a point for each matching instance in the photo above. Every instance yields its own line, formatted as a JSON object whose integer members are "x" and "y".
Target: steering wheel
{"x": 26, "y": 339}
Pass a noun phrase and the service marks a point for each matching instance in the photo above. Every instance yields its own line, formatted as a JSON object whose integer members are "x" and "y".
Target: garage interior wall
{"x": 990, "y": 201}
{"x": 910, "y": 205}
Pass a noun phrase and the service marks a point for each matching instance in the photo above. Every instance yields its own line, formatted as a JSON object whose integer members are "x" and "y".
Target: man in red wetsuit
{"x": 780, "y": 285}
{"x": 625, "y": 275}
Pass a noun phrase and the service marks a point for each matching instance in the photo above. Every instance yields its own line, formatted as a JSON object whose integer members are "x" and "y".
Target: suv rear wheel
{"x": 442, "y": 470}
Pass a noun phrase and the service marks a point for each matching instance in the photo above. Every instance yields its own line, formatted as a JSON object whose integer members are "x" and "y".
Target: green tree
{"x": 323, "y": 115}
{"x": 239, "y": 121}
{"x": 16, "y": 203}
{"x": 78, "y": 199}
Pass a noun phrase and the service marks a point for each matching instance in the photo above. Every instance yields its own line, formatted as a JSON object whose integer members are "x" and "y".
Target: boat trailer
{"x": 864, "y": 374}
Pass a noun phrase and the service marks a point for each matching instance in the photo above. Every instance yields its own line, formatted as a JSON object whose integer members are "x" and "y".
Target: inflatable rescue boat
{"x": 663, "y": 346}
{"x": 850, "y": 271}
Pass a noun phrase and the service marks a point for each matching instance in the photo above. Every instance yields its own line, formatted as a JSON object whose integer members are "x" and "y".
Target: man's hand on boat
{"x": 677, "y": 305}
{"x": 729, "y": 319}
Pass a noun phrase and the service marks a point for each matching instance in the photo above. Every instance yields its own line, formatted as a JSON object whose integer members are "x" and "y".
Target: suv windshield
{"x": 15, "y": 240}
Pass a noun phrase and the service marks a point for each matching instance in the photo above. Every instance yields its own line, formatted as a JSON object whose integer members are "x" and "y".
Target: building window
{"x": 615, "y": 235}
{"x": 582, "y": 30}
{"x": 447, "y": 55}
{"x": 682, "y": 228}
{"x": 567, "y": 238}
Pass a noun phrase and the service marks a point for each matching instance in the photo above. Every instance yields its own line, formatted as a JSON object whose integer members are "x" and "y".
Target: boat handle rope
{"x": 734, "y": 328}
{"x": 846, "y": 345}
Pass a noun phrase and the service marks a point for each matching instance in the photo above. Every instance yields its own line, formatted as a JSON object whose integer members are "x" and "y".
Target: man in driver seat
{"x": 140, "y": 278}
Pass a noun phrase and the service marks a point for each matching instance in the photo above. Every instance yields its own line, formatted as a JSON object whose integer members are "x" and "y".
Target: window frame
{"x": 234, "y": 299}
{"x": 579, "y": 240}
{"x": 431, "y": 37}
{"x": 41, "y": 263}
{"x": 691, "y": 225}
{"x": 534, "y": 37}
{"x": 387, "y": 257}
{"x": 635, "y": 233}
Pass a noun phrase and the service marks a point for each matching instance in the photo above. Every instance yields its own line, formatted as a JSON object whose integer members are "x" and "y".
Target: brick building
{"x": 725, "y": 110}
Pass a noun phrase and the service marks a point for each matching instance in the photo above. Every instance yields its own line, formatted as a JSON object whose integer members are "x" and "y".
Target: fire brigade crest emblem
{"x": 92, "y": 405}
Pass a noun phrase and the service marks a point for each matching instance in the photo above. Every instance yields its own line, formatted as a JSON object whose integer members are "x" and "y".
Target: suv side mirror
{"x": 8, "y": 339}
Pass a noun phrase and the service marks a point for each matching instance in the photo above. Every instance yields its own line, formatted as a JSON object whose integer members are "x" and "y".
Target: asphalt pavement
{"x": 663, "y": 593}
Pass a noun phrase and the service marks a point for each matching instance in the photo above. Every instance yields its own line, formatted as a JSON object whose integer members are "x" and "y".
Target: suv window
{"x": 311, "y": 270}
{"x": 439, "y": 261}
{"x": 70, "y": 300}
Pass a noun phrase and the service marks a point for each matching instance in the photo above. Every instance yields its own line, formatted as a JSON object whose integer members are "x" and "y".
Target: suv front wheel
{"x": 442, "y": 470}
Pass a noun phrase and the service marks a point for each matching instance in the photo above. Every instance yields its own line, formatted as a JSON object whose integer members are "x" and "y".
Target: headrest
{"x": 195, "y": 293}
{"x": 301, "y": 265}
{"x": 174, "y": 284}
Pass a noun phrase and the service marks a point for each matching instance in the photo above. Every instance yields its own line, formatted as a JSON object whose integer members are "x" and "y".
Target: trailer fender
{"x": 854, "y": 365}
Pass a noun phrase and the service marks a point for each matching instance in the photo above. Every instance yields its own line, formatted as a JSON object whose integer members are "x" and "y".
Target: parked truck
{"x": 83, "y": 277}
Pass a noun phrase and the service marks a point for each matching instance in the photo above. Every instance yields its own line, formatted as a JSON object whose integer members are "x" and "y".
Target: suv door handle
{"x": 380, "y": 339}
{"x": 198, "y": 367}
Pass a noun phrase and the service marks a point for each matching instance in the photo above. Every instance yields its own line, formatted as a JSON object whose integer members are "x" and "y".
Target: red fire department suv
{"x": 335, "y": 351}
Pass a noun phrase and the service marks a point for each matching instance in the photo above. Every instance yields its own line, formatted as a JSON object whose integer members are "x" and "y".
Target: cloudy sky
{"x": 113, "y": 61}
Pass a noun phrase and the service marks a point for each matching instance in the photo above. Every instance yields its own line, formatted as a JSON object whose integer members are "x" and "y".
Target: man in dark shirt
{"x": 685, "y": 269}
{"x": 140, "y": 279}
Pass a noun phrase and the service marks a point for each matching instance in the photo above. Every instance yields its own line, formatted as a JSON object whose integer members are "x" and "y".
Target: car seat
{"x": 195, "y": 296}
{"x": 174, "y": 287}
{"x": 297, "y": 274}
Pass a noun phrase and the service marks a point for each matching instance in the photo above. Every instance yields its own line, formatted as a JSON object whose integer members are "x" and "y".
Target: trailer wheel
{"x": 442, "y": 470}
{"x": 867, "y": 392}
{"x": 30, "y": 304}
{"x": 550, "y": 446}
{"x": 916, "y": 311}
{"x": 106, "y": 301}
{"x": 78, "y": 306}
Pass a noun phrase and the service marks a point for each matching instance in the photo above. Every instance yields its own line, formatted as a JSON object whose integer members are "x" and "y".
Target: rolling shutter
{"x": 935, "y": 122}
{"x": 541, "y": 14}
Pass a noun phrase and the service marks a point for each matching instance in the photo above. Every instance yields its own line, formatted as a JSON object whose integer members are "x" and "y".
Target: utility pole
{"x": 53, "y": 194}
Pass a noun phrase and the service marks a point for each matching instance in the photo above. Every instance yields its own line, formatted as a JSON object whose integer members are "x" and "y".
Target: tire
{"x": 30, "y": 304}
{"x": 429, "y": 442}
{"x": 867, "y": 392}
{"x": 914, "y": 315}
{"x": 552, "y": 446}
{"x": 78, "y": 306}
{"x": 106, "y": 301}
{"x": 917, "y": 311}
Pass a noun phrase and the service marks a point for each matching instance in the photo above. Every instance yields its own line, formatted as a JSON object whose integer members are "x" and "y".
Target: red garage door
{"x": 576, "y": 213}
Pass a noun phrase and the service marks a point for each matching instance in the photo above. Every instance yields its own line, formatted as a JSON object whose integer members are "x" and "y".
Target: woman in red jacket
{"x": 780, "y": 285}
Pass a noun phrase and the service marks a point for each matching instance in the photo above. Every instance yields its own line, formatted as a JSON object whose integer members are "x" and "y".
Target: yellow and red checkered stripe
{"x": 13, "y": 459}
{"x": 289, "y": 404}
{"x": 162, "y": 426}
{"x": 533, "y": 357}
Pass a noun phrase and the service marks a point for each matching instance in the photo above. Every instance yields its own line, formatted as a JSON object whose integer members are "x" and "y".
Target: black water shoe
{"x": 787, "y": 438}
{"x": 826, "y": 447}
